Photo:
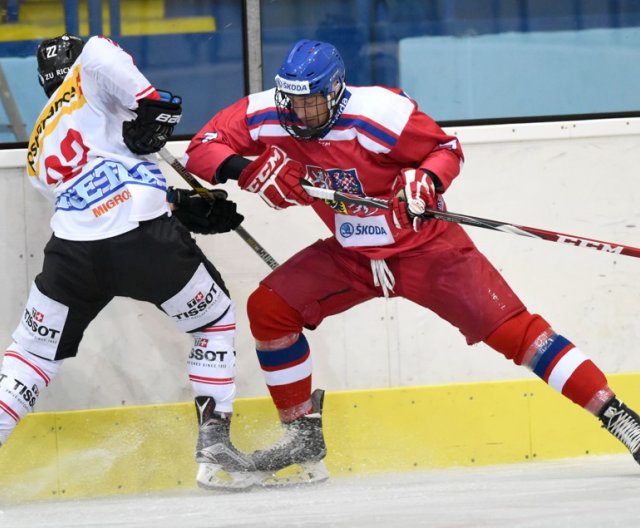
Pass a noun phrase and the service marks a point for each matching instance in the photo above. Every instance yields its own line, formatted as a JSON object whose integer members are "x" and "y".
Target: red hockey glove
{"x": 276, "y": 178}
{"x": 416, "y": 195}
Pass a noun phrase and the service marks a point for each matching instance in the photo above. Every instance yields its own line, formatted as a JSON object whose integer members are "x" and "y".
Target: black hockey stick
{"x": 210, "y": 195}
{"x": 532, "y": 232}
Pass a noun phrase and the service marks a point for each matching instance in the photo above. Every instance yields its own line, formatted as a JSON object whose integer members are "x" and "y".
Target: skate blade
{"x": 294, "y": 475}
{"x": 213, "y": 477}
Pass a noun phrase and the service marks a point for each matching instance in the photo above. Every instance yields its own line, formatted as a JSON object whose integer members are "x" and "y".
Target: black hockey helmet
{"x": 55, "y": 57}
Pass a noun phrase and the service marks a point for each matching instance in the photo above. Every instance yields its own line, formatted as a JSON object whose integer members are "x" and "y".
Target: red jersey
{"x": 377, "y": 132}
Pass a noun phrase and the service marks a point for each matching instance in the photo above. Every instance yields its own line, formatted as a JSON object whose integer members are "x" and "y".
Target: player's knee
{"x": 270, "y": 317}
{"x": 517, "y": 335}
{"x": 201, "y": 299}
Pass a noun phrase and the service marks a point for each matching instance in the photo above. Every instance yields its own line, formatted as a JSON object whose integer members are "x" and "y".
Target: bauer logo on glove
{"x": 154, "y": 124}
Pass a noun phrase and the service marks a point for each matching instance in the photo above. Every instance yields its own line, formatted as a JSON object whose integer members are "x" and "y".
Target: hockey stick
{"x": 195, "y": 185}
{"x": 533, "y": 232}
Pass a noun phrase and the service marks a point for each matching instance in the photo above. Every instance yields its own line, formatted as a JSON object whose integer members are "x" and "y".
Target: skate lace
{"x": 283, "y": 445}
{"x": 291, "y": 436}
{"x": 625, "y": 428}
{"x": 382, "y": 276}
{"x": 294, "y": 438}
{"x": 213, "y": 432}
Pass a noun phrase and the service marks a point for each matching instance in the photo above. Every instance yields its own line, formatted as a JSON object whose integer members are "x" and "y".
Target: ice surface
{"x": 582, "y": 492}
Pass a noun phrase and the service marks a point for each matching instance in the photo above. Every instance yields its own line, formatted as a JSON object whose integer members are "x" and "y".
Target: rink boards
{"x": 532, "y": 174}
{"x": 139, "y": 449}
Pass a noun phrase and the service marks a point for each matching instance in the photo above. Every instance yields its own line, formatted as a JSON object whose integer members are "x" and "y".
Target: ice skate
{"x": 297, "y": 457}
{"x": 622, "y": 423}
{"x": 221, "y": 465}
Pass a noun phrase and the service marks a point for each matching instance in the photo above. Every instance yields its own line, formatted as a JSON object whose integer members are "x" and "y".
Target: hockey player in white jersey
{"x": 114, "y": 235}
{"x": 370, "y": 140}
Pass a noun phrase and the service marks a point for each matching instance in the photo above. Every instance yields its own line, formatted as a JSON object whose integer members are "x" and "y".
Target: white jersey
{"x": 77, "y": 157}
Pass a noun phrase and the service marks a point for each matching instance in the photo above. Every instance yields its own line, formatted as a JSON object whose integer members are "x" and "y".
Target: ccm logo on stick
{"x": 600, "y": 246}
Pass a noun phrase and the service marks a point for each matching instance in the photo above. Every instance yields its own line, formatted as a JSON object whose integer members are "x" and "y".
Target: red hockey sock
{"x": 287, "y": 372}
{"x": 283, "y": 352}
{"x": 529, "y": 340}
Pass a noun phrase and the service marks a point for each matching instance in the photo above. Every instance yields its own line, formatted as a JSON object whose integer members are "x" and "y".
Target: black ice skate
{"x": 622, "y": 423}
{"x": 302, "y": 445}
{"x": 221, "y": 465}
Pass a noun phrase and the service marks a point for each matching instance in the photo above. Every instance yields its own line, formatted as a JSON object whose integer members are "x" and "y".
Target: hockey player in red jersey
{"x": 374, "y": 141}
{"x": 113, "y": 235}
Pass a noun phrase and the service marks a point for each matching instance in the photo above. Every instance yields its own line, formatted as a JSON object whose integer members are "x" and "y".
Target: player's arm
{"x": 217, "y": 154}
{"x": 424, "y": 145}
{"x": 154, "y": 113}
{"x": 155, "y": 121}
{"x": 418, "y": 186}
{"x": 273, "y": 176}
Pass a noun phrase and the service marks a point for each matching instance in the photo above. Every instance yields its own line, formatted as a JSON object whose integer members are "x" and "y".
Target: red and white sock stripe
{"x": 4, "y": 406}
{"x": 31, "y": 364}
{"x": 210, "y": 381}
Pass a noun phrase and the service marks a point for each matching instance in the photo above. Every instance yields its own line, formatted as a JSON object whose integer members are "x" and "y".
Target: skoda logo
{"x": 346, "y": 230}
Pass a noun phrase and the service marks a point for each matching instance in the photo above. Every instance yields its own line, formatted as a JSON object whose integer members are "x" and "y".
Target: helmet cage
{"x": 310, "y": 68}
{"x": 55, "y": 57}
{"x": 292, "y": 123}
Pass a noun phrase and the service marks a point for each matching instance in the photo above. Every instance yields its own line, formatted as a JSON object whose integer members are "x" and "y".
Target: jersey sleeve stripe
{"x": 144, "y": 93}
{"x": 266, "y": 116}
{"x": 368, "y": 129}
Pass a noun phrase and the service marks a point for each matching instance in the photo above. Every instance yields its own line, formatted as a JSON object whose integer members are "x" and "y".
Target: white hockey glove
{"x": 276, "y": 178}
{"x": 417, "y": 194}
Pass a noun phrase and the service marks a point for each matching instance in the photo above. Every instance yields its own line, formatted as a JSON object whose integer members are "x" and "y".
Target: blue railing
{"x": 12, "y": 10}
{"x": 382, "y": 42}
{"x": 72, "y": 20}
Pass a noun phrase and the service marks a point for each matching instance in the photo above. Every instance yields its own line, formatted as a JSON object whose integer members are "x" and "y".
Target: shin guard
{"x": 22, "y": 377}
{"x": 212, "y": 362}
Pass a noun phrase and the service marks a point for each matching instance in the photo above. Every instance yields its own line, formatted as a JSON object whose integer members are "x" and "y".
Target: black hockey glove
{"x": 202, "y": 216}
{"x": 149, "y": 132}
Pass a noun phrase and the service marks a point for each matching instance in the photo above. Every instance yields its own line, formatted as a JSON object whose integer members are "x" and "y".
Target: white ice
{"x": 583, "y": 492}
